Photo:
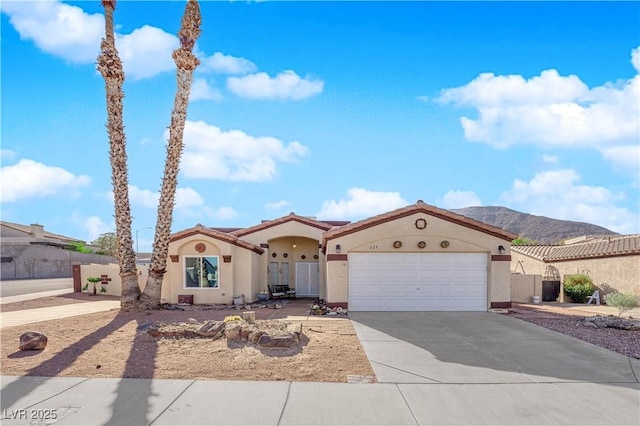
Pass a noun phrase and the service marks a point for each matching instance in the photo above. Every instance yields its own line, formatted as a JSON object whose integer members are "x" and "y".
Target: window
{"x": 201, "y": 272}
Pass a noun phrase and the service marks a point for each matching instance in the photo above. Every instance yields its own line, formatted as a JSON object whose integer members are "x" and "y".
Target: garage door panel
{"x": 417, "y": 282}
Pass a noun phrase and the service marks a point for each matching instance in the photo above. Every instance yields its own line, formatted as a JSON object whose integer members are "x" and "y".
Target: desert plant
{"x": 623, "y": 302}
{"x": 232, "y": 318}
{"x": 94, "y": 281}
{"x": 578, "y": 287}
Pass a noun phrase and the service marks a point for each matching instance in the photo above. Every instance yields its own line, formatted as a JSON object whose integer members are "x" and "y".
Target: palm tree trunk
{"x": 186, "y": 62}
{"x": 110, "y": 67}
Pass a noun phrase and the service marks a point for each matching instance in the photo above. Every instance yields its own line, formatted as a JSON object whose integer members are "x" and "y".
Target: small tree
{"x": 108, "y": 243}
{"x": 623, "y": 302}
{"x": 79, "y": 246}
{"x": 578, "y": 287}
{"x": 522, "y": 241}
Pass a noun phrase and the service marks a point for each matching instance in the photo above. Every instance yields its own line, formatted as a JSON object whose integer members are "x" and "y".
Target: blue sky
{"x": 337, "y": 110}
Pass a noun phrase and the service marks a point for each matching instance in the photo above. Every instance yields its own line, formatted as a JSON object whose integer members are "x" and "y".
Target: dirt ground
{"x": 107, "y": 344}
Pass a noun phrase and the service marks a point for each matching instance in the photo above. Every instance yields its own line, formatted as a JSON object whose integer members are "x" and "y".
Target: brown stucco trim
{"x": 500, "y": 305}
{"x": 501, "y": 258}
{"x": 417, "y": 208}
{"x": 331, "y": 257}
{"x": 217, "y": 235}
{"x": 343, "y": 305}
{"x": 292, "y": 217}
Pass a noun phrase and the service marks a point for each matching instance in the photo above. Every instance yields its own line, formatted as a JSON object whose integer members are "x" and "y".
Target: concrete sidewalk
{"x": 31, "y": 296}
{"x": 502, "y": 375}
{"x": 82, "y": 401}
{"x": 29, "y": 316}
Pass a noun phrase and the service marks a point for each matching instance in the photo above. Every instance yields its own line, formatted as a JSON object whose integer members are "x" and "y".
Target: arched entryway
{"x": 294, "y": 261}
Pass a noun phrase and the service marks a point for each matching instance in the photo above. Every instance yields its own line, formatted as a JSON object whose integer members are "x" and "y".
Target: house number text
{"x": 373, "y": 247}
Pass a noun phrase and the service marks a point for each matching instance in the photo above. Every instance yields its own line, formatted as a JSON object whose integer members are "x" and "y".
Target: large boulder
{"x": 33, "y": 341}
{"x": 610, "y": 322}
{"x": 278, "y": 341}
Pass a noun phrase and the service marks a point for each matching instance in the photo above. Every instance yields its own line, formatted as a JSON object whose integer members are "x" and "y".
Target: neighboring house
{"x": 613, "y": 263}
{"x": 415, "y": 258}
{"x": 28, "y": 251}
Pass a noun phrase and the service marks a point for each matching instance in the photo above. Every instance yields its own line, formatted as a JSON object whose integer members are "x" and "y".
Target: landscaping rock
{"x": 279, "y": 341}
{"x": 610, "y": 322}
{"x": 212, "y": 329}
{"x": 33, "y": 341}
{"x": 295, "y": 328}
{"x": 233, "y": 331}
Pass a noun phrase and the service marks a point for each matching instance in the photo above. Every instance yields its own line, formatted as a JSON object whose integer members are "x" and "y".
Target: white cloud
{"x": 211, "y": 153}
{"x": 560, "y": 195}
{"x": 552, "y": 159}
{"x": 226, "y": 64}
{"x": 635, "y": 59}
{"x": 361, "y": 203}
{"x": 146, "y": 52}
{"x": 29, "y": 179}
{"x": 142, "y": 197}
{"x": 7, "y": 154}
{"x": 185, "y": 197}
{"x": 277, "y": 205}
{"x": 56, "y": 28}
{"x": 286, "y": 85}
{"x": 627, "y": 157}
{"x": 95, "y": 226}
{"x": 459, "y": 199}
{"x": 74, "y": 35}
{"x": 202, "y": 90}
{"x": 222, "y": 213}
{"x": 550, "y": 110}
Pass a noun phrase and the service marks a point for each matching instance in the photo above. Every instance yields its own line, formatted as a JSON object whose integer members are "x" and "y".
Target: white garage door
{"x": 417, "y": 282}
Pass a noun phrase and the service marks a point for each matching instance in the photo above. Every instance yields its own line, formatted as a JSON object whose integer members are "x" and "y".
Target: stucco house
{"x": 416, "y": 258}
{"x": 612, "y": 262}
{"x": 29, "y": 251}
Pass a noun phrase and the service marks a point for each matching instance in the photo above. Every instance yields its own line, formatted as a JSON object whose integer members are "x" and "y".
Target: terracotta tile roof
{"x": 623, "y": 245}
{"x": 323, "y": 226}
{"x": 420, "y": 207}
{"x": 210, "y": 232}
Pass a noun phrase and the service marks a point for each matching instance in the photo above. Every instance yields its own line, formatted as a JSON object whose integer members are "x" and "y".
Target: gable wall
{"x": 235, "y": 278}
{"x": 380, "y": 238}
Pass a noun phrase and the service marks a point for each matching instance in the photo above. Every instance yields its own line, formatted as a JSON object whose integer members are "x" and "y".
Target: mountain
{"x": 542, "y": 229}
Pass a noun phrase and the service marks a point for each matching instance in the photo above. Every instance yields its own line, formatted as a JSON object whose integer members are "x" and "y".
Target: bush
{"x": 578, "y": 287}
{"x": 623, "y": 302}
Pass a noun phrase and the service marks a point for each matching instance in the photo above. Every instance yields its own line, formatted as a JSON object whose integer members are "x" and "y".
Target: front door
{"x": 307, "y": 279}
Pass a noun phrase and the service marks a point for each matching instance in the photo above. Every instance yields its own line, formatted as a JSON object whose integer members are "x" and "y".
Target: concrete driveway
{"x": 488, "y": 368}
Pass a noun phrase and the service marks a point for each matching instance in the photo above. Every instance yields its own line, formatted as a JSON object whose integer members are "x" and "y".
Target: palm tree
{"x": 186, "y": 62}
{"x": 110, "y": 67}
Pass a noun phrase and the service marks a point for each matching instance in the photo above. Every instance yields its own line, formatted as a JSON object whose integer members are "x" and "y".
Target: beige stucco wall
{"x": 619, "y": 273}
{"x": 380, "y": 238}
{"x": 235, "y": 278}
{"x": 524, "y": 287}
{"x": 113, "y": 286}
{"x": 280, "y": 239}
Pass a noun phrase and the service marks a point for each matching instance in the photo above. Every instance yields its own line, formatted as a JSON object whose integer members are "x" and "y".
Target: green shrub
{"x": 623, "y": 302}
{"x": 578, "y": 287}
